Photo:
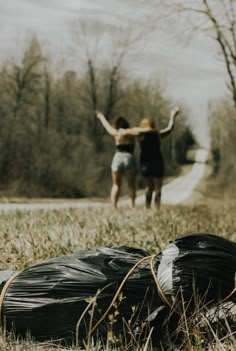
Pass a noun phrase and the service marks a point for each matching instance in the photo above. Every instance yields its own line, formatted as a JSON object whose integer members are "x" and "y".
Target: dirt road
{"x": 180, "y": 189}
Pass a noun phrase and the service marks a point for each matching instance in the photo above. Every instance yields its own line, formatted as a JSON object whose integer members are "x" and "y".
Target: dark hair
{"x": 121, "y": 122}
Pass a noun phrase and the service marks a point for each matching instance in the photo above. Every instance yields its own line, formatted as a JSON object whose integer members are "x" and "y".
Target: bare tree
{"x": 88, "y": 58}
{"x": 24, "y": 82}
{"x": 104, "y": 50}
{"x": 47, "y": 97}
{"x": 21, "y": 101}
{"x": 217, "y": 19}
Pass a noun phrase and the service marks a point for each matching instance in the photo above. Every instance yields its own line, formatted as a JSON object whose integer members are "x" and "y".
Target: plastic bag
{"x": 198, "y": 268}
{"x": 47, "y": 299}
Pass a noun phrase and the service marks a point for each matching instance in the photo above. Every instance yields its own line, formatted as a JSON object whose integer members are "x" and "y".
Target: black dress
{"x": 151, "y": 159}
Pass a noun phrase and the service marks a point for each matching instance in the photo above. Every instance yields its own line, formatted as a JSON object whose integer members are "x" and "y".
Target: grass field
{"x": 29, "y": 237}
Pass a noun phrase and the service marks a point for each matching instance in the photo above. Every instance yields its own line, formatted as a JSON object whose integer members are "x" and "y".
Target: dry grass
{"x": 29, "y": 237}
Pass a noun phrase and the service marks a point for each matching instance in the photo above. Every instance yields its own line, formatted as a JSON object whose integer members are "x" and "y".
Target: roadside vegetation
{"x": 223, "y": 142}
{"x": 51, "y": 143}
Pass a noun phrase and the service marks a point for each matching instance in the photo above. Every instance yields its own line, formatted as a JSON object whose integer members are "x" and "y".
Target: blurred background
{"x": 62, "y": 60}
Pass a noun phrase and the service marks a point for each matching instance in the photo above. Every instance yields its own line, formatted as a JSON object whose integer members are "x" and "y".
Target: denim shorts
{"x": 123, "y": 162}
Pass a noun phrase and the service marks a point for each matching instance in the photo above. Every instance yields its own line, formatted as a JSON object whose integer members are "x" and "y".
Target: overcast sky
{"x": 191, "y": 73}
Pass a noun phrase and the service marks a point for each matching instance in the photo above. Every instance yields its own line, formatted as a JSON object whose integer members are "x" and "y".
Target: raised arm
{"x": 136, "y": 131}
{"x": 171, "y": 124}
{"x": 110, "y": 130}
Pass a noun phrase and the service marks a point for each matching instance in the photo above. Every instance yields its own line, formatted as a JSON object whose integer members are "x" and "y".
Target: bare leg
{"x": 149, "y": 191}
{"x": 131, "y": 178}
{"x": 115, "y": 190}
{"x": 158, "y": 186}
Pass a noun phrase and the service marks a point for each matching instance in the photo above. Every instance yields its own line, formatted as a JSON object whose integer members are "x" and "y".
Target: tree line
{"x": 51, "y": 143}
{"x": 223, "y": 141}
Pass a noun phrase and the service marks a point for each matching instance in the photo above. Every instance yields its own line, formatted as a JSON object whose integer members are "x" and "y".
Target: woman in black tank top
{"x": 151, "y": 158}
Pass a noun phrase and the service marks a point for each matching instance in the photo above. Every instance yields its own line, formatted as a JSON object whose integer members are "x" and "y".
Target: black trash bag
{"x": 47, "y": 299}
{"x": 198, "y": 268}
{"x": 194, "y": 270}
